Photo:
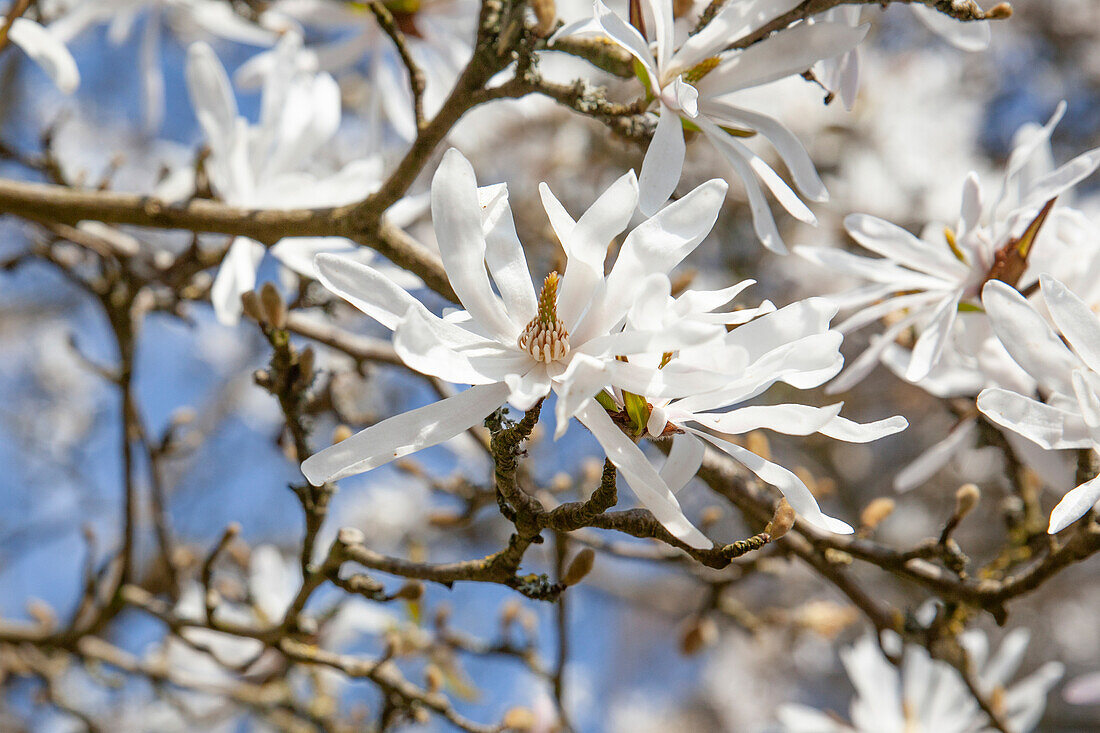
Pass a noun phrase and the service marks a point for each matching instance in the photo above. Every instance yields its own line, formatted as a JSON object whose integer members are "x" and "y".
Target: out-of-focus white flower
{"x": 792, "y": 345}
{"x": 47, "y": 49}
{"x": 840, "y": 74}
{"x": 929, "y": 279}
{"x": 692, "y": 86}
{"x": 212, "y": 17}
{"x": 1069, "y": 417}
{"x": 439, "y": 34}
{"x": 273, "y": 164}
{"x": 517, "y": 346}
{"x": 1083, "y": 690}
{"x": 928, "y": 695}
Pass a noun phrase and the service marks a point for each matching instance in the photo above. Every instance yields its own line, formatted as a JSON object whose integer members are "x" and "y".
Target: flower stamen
{"x": 545, "y": 337}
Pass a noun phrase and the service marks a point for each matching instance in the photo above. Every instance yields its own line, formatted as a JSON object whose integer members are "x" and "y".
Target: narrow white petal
{"x": 664, "y": 161}
{"x": 793, "y": 51}
{"x": 1074, "y": 505}
{"x": 898, "y": 245}
{"x": 236, "y": 276}
{"x": 504, "y": 254}
{"x": 788, "y": 146}
{"x": 655, "y": 246}
{"x": 933, "y": 339}
{"x": 456, "y": 215}
{"x": 787, "y": 419}
{"x": 644, "y": 480}
{"x": 1074, "y": 319}
{"x": 1047, "y": 426}
{"x": 404, "y": 434}
{"x": 46, "y": 50}
{"x": 841, "y": 428}
{"x": 1028, "y": 338}
{"x": 364, "y": 287}
{"x": 211, "y": 95}
{"x": 436, "y": 347}
{"x": 799, "y": 497}
{"x": 969, "y": 36}
{"x": 626, "y": 36}
{"x": 587, "y": 243}
{"x": 936, "y": 457}
{"x": 683, "y": 461}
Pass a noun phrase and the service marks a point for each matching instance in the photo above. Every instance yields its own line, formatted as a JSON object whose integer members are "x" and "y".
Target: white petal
{"x": 664, "y": 161}
{"x": 866, "y": 362}
{"x": 878, "y": 270}
{"x": 971, "y": 35}
{"x": 1083, "y": 690}
{"x": 587, "y": 243}
{"x": 841, "y": 428}
{"x": 1074, "y": 505}
{"x": 793, "y": 51}
{"x": 211, "y": 95}
{"x": 46, "y": 50}
{"x": 936, "y": 457}
{"x": 644, "y": 480}
{"x": 527, "y": 389}
{"x": 1074, "y": 319}
{"x": 456, "y": 215}
{"x": 1059, "y": 181}
{"x": 933, "y": 339}
{"x": 404, "y": 434}
{"x": 788, "y": 146}
{"x": 655, "y": 246}
{"x": 1047, "y": 426}
{"x": 1028, "y": 338}
{"x": 787, "y": 419}
{"x": 799, "y": 497}
{"x": 683, "y": 461}
{"x": 762, "y": 220}
{"x": 442, "y": 349}
{"x": 365, "y": 287}
{"x": 626, "y": 36}
{"x": 504, "y": 254}
{"x": 236, "y": 276}
{"x": 898, "y": 245}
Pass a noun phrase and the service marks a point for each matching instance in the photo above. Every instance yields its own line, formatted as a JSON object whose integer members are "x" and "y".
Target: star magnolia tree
{"x": 517, "y": 347}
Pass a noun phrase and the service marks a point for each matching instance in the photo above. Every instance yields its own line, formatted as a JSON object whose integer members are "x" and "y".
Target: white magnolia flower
{"x": 438, "y": 34}
{"x": 928, "y": 695}
{"x": 927, "y": 280}
{"x": 273, "y": 164}
{"x": 792, "y": 345}
{"x": 210, "y": 17}
{"x": 1069, "y": 416}
{"x": 692, "y": 85}
{"x": 515, "y": 347}
{"x": 47, "y": 49}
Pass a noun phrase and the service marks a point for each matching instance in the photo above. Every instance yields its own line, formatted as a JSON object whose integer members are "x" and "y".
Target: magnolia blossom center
{"x": 545, "y": 337}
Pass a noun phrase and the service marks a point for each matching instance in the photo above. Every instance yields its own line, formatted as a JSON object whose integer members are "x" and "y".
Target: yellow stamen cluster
{"x": 545, "y": 338}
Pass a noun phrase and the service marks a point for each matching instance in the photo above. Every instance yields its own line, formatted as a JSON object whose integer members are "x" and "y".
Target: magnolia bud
{"x": 546, "y": 13}
{"x": 433, "y": 678}
{"x": 518, "y": 719}
{"x": 710, "y": 515}
{"x": 250, "y": 304}
{"x": 410, "y": 591}
{"x": 580, "y": 567}
{"x": 1001, "y": 11}
{"x": 874, "y": 513}
{"x": 306, "y": 360}
{"x": 757, "y": 442}
{"x": 509, "y": 612}
{"x": 340, "y": 434}
{"x": 701, "y": 633}
{"x": 966, "y": 498}
{"x": 782, "y": 520}
{"x": 274, "y": 309}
